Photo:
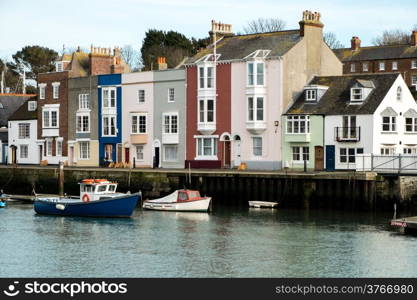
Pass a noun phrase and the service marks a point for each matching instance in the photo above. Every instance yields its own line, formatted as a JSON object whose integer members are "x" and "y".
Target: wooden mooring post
{"x": 61, "y": 179}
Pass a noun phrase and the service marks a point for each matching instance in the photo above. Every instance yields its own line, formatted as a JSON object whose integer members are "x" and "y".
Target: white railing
{"x": 396, "y": 163}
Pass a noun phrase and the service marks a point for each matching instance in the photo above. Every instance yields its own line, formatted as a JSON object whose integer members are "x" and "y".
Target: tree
{"x": 35, "y": 60}
{"x": 131, "y": 57}
{"x": 264, "y": 25}
{"x": 331, "y": 40}
{"x": 172, "y": 45}
{"x": 392, "y": 37}
{"x": 11, "y": 78}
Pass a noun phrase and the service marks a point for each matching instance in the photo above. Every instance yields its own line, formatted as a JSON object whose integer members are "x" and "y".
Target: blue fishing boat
{"x": 98, "y": 198}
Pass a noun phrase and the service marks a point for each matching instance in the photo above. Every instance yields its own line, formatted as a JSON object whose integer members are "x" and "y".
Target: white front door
{"x": 237, "y": 153}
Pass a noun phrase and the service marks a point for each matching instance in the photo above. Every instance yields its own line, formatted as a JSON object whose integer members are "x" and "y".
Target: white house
{"x": 367, "y": 114}
{"x": 22, "y": 135}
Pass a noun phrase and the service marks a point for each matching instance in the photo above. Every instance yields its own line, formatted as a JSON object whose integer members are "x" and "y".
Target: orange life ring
{"x": 86, "y": 198}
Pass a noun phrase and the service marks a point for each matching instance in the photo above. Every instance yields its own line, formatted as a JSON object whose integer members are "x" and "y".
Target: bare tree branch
{"x": 331, "y": 40}
{"x": 264, "y": 25}
{"x": 392, "y": 37}
{"x": 130, "y": 56}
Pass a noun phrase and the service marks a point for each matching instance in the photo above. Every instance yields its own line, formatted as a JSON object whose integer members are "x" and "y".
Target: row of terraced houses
{"x": 265, "y": 101}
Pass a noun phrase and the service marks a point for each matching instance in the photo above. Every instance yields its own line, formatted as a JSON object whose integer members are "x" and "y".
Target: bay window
{"x": 50, "y": 118}
{"x": 109, "y": 97}
{"x": 170, "y": 123}
{"x": 298, "y": 124}
{"x": 206, "y": 108}
{"x": 255, "y": 73}
{"x": 255, "y": 109}
{"x": 109, "y": 126}
{"x": 206, "y": 77}
{"x": 139, "y": 124}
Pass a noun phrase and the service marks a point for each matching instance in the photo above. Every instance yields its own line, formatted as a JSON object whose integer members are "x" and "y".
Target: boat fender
{"x": 86, "y": 198}
{"x": 60, "y": 206}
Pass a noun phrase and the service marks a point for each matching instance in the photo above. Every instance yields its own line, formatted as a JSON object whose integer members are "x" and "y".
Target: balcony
{"x": 206, "y": 128}
{"x": 347, "y": 134}
{"x": 256, "y": 127}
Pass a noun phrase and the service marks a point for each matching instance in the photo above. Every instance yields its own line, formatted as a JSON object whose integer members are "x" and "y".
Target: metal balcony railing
{"x": 347, "y": 134}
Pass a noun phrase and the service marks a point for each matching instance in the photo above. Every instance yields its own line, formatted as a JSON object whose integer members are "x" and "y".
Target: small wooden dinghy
{"x": 180, "y": 200}
{"x": 263, "y": 204}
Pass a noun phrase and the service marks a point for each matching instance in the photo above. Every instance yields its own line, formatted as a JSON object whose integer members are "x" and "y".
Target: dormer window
{"x": 356, "y": 94}
{"x": 31, "y": 105}
{"x": 206, "y": 77}
{"x": 311, "y": 95}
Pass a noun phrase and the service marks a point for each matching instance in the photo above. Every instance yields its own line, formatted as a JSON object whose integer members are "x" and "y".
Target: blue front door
{"x": 330, "y": 156}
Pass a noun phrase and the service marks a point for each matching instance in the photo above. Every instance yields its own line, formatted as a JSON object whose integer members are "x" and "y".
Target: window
{"x": 298, "y": 124}
{"x": 139, "y": 152}
{"x": 171, "y": 95}
{"x": 382, "y": 66}
{"x": 257, "y": 146}
{"x": 109, "y": 97}
{"x": 300, "y": 154}
{"x": 42, "y": 88}
{"x": 24, "y": 130}
{"x": 50, "y": 119}
{"x": 206, "y": 147}
{"x": 84, "y": 150}
{"x": 356, "y": 94}
{"x": 388, "y": 124}
{"x": 365, "y": 67}
{"x": 55, "y": 90}
{"x": 83, "y": 101}
{"x": 349, "y": 129}
{"x": 138, "y": 124}
{"x": 414, "y": 64}
{"x": 206, "y": 110}
{"x": 410, "y": 150}
{"x": 256, "y": 73}
{"x": 48, "y": 147}
{"x": 399, "y": 93}
{"x": 83, "y": 123}
{"x": 414, "y": 80}
{"x": 387, "y": 150}
{"x": 255, "y": 109}
{"x": 170, "y": 124}
{"x": 141, "y": 96}
{"x": 206, "y": 77}
{"x": 59, "y": 66}
{"x": 109, "y": 126}
{"x": 31, "y": 105}
{"x": 411, "y": 125}
{"x": 311, "y": 95}
{"x": 24, "y": 151}
{"x": 59, "y": 147}
{"x": 170, "y": 152}
{"x": 353, "y": 68}
{"x": 394, "y": 65}
{"x": 348, "y": 155}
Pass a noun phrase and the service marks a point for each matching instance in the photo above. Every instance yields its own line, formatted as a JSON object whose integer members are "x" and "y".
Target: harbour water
{"x": 226, "y": 243}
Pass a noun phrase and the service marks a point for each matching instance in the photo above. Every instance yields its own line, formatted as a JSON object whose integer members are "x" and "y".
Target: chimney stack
{"x": 220, "y": 29}
{"x": 355, "y": 43}
{"x": 414, "y": 38}
{"x": 310, "y": 19}
{"x": 161, "y": 63}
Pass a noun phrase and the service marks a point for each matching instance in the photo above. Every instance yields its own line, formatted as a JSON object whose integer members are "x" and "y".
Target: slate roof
{"x": 336, "y": 100}
{"x": 376, "y": 53}
{"x": 22, "y": 113}
{"x": 9, "y": 104}
{"x": 240, "y": 46}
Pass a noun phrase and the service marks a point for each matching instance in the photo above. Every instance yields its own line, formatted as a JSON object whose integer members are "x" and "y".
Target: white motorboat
{"x": 263, "y": 204}
{"x": 180, "y": 200}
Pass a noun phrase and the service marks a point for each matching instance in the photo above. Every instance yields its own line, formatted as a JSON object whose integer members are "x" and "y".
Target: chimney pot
{"x": 414, "y": 38}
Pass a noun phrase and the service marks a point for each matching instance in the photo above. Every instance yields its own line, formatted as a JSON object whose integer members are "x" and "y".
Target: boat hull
{"x": 262, "y": 204}
{"x": 195, "y": 205}
{"x": 112, "y": 207}
{"x": 2, "y": 204}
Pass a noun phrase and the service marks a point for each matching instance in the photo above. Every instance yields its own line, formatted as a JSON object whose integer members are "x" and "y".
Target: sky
{"x": 109, "y": 23}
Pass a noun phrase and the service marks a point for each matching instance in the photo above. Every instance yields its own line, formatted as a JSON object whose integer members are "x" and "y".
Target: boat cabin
{"x": 95, "y": 189}
{"x": 188, "y": 195}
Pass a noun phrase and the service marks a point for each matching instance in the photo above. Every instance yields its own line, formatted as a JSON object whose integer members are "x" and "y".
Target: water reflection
{"x": 226, "y": 243}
